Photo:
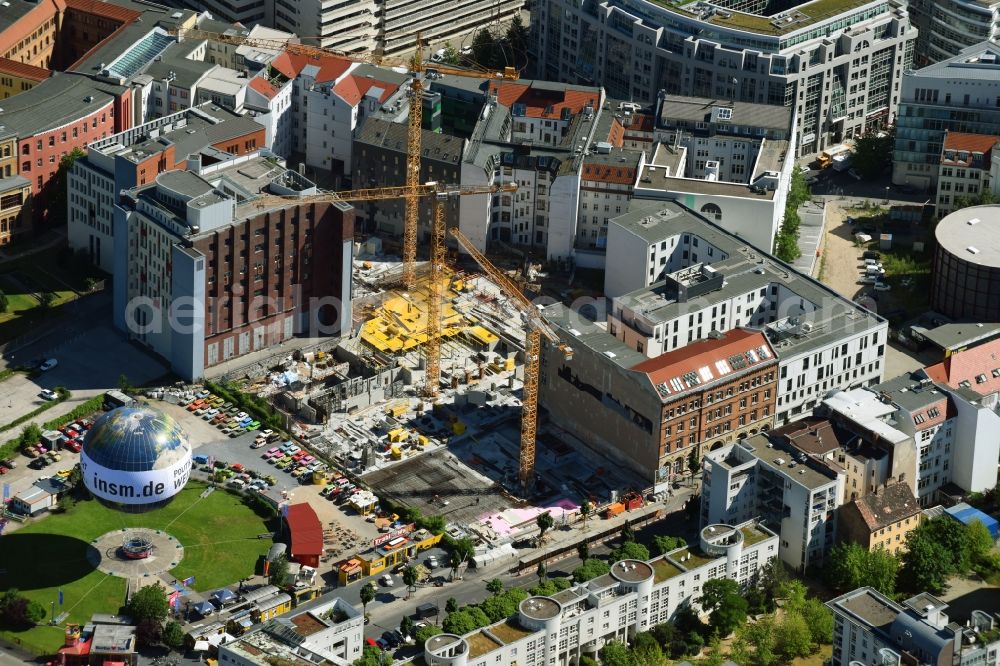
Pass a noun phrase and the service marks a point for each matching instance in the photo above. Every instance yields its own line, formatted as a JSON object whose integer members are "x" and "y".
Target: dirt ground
{"x": 840, "y": 258}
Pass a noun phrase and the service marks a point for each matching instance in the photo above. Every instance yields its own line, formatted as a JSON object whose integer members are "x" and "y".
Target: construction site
{"x": 459, "y": 452}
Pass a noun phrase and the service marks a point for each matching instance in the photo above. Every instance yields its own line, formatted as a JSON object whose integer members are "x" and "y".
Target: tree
{"x": 723, "y": 600}
{"x": 615, "y": 654}
{"x": 953, "y": 536}
{"x": 370, "y": 656}
{"x": 583, "y": 550}
{"x": 55, "y": 202}
{"x": 423, "y": 633}
{"x": 630, "y": 550}
{"x": 368, "y": 592}
{"x": 484, "y": 48}
{"x": 503, "y": 605}
{"x": 755, "y": 643}
{"x": 591, "y": 568}
{"x": 541, "y": 572}
{"x": 465, "y": 620}
{"x": 979, "y": 540}
{"x": 46, "y": 298}
{"x": 794, "y": 637}
{"x": 451, "y": 605}
{"x": 406, "y": 626}
{"x": 545, "y": 522}
{"x": 149, "y": 603}
{"x": 30, "y": 434}
{"x": 646, "y": 650}
{"x": 123, "y": 384}
{"x": 517, "y": 39}
{"x": 461, "y": 551}
{"x": 173, "y": 635}
{"x": 494, "y": 586}
{"x": 715, "y": 656}
{"x": 278, "y": 571}
{"x": 664, "y": 544}
{"x": 585, "y": 509}
{"x": 628, "y": 532}
{"x": 148, "y": 631}
{"x": 926, "y": 563}
{"x": 851, "y": 566}
{"x": 410, "y": 576}
{"x": 819, "y": 619}
{"x": 872, "y": 152}
{"x": 693, "y": 462}
{"x": 451, "y": 56}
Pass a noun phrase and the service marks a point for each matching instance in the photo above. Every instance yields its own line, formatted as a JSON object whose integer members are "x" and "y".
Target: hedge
{"x": 83, "y": 409}
{"x": 260, "y": 409}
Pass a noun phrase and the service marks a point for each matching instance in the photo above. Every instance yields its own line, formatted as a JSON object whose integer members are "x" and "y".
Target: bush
{"x": 592, "y": 568}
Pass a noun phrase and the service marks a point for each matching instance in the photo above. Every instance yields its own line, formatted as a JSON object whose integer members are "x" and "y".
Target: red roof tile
{"x": 605, "y": 173}
{"x": 704, "y": 354}
{"x": 262, "y": 86}
{"x": 974, "y": 143}
{"x": 104, "y": 9}
{"x": 353, "y": 88}
{"x": 536, "y": 100}
{"x": 892, "y": 504}
{"x": 971, "y": 365}
{"x": 24, "y": 70}
{"x": 330, "y": 67}
{"x": 306, "y": 530}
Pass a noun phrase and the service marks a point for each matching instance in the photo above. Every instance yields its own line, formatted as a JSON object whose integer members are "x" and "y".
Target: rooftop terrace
{"x": 796, "y": 18}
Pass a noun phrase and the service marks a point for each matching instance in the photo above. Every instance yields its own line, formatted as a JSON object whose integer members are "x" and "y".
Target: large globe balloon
{"x": 135, "y": 459}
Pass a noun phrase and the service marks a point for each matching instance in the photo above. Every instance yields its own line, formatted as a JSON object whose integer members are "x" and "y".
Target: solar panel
{"x": 751, "y": 356}
{"x": 763, "y": 353}
{"x": 705, "y": 374}
{"x": 691, "y": 378}
{"x": 723, "y": 367}
{"x": 738, "y": 362}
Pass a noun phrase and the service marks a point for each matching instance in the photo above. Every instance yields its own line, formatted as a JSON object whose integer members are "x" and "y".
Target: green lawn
{"x": 219, "y": 535}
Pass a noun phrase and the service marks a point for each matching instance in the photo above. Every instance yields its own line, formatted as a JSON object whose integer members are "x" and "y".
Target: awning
{"x": 205, "y": 608}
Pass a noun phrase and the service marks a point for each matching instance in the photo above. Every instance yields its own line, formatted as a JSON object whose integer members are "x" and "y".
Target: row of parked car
{"x": 340, "y": 490}
{"x": 71, "y": 439}
{"x": 226, "y": 416}
{"x": 290, "y": 457}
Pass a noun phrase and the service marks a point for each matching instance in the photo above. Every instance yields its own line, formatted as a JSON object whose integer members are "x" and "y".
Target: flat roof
{"x": 785, "y": 462}
{"x": 744, "y": 114}
{"x": 874, "y": 609}
{"x": 803, "y": 15}
{"x": 745, "y": 269}
{"x": 972, "y": 235}
{"x": 911, "y": 392}
{"x": 57, "y": 101}
{"x": 955, "y": 336}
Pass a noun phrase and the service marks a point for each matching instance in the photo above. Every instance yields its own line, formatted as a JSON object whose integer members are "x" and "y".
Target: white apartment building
{"x": 269, "y": 100}
{"x": 330, "y": 632}
{"x": 838, "y": 68}
{"x": 958, "y": 94}
{"x": 717, "y": 283}
{"x": 870, "y": 628}
{"x": 790, "y": 493}
{"x": 634, "y": 597}
{"x": 334, "y": 110}
{"x": 965, "y": 170}
{"x": 534, "y": 133}
{"x": 955, "y": 439}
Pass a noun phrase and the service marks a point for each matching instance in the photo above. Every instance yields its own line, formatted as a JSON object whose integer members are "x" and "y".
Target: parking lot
{"x": 348, "y": 531}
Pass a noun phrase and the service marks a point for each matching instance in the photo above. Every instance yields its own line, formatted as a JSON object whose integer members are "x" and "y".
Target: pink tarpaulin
{"x": 511, "y": 520}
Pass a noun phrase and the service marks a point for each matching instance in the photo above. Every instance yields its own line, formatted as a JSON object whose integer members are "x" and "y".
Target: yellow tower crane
{"x": 535, "y": 329}
{"x": 417, "y": 67}
{"x": 432, "y": 348}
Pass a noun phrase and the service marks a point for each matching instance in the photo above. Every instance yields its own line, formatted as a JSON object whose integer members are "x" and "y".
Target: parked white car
{"x": 48, "y": 364}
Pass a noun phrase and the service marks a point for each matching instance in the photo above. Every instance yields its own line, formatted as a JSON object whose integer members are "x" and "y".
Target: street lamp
{"x": 887, "y": 194}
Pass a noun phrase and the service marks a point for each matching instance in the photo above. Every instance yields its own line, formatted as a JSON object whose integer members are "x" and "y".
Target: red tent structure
{"x": 306, "y": 535}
